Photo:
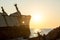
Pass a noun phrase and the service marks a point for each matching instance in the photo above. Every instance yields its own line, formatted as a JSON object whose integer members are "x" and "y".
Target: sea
{"x": 41, "y": 31}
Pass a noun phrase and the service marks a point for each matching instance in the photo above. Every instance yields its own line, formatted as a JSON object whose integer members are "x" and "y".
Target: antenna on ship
{"x": 3, "y": 10}
{"x": 4, "y": 15}
{"x": 19, "y": 13}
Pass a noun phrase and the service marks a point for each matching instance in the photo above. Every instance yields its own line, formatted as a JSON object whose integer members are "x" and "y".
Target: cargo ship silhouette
{"x": 14, "y": 25}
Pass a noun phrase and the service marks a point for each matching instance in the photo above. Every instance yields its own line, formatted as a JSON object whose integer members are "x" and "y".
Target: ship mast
{"x": 3, "y": 10}
{"x": 19, "y": 13}
{"x": 4, "y": 15}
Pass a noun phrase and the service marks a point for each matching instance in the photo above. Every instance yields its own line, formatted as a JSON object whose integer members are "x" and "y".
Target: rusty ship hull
{"x": 14, "y": 25}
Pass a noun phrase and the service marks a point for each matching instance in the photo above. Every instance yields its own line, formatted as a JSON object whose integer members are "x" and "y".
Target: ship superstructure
{"x": 14, "y": 25}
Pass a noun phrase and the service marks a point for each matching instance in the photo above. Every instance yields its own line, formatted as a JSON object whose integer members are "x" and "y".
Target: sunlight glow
{"x": 36, "y": 20}
{"x": 36, "y": 17}
{"x": 23, "y": 22}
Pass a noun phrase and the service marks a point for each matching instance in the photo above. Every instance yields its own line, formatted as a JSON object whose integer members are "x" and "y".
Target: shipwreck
{"x": 14, "y": 25}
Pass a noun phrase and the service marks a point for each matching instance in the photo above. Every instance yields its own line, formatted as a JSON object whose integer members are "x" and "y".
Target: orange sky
{"x": 48, "y": 9}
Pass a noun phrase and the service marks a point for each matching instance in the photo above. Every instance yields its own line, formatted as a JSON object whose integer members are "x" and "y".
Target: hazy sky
{"x": 49, "y": 9}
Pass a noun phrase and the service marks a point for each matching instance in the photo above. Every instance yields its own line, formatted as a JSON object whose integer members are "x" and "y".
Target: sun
{"x": 36, "y": 20}
{"x": 36, "y": 17}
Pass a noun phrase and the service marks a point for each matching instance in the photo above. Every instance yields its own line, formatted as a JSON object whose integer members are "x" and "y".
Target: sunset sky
{"x": 47, "y": 10}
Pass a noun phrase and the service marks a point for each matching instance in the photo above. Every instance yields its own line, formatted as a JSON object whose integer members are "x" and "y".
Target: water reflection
{"x": 41, "y": 31}
{"x": 34, "y": 32}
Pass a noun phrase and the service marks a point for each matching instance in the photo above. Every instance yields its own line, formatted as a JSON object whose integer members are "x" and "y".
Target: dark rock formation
{"x": 54, "y": 34}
